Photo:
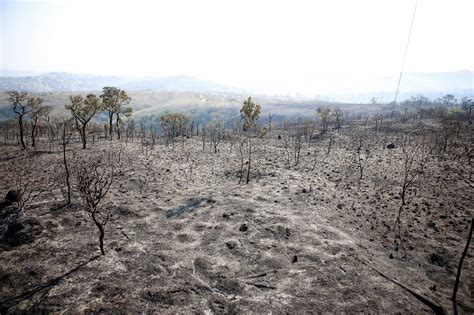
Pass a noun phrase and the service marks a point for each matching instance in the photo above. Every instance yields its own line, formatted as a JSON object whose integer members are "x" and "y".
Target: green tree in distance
{"x": 82, "y": 110}
{"x": 113, "y": 99}
{"x": 249, "y": 113}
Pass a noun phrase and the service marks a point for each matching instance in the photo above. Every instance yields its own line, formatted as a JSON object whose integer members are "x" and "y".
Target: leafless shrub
{"x": 378, "y": 118}
{"x": 146, "y": 148}
{"x": 463, "y": 165}
{"x": 94, "y": 176}
{"x": 416, "y": 152}
{"x": 292, "y": 136}
{"x": 330, "y": 143}
{"x": 339, "y": 117}
{"x": 23, "y": 176}
{"x": 215, "y": 129}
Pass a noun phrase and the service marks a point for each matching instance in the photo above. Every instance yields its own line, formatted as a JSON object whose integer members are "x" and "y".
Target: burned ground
{"x": 185, "y": 237}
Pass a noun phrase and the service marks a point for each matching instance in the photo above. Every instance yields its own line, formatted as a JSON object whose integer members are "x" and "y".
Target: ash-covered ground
{"x": 185, "y": 237}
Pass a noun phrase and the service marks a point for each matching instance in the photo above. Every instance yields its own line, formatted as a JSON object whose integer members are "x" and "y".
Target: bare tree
{"x": 285, "y": 135}
{"x": 93, "y": 178}
{"x": 27, "y": 186}
{"x": 242, "y": 142}
{"x": 362, "y": 155}
{"x": 53, "y": 130}
{"x": 449, "y": 100}
{"x": 330, "y": 143}
{"x": 270, "y": 118}
{"x": 467, "y": 104}
{"x": 125, "y": 112}
{"x": 203, "y": 137}
{"x": 338, "y": 117}
{"x": 173, "y": 125}
{"x": 130, "y": 133}
{"x": 215, "y": 130}
{"x": 458, "y": 273}
{"x": 309, "y": 128}
{"x": 65, "y": 137}
{"x": 8, "y": 132}
{"x": 416, "y": 152}
{"x": 21, "y": 109}
{"x": 146, "y": 148}
{"x": 37, "y": 112}
{"x": 378, "y": 118}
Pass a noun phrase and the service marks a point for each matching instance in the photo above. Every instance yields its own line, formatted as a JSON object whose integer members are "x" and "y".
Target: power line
{"x": 404, "y": 58}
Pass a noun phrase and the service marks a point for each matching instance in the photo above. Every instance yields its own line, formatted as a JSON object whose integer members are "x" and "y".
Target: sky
{"x": 291, "y": 46}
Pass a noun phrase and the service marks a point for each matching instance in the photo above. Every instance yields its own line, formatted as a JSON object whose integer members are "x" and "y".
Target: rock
{"x": 243, "y": 228}
{"x": 12, "y": 196}
{"x": 295, "y": 259}
{"x": 231, "y": 244}
{"x": 438, "y": 259}
{"x": 391, "y": 146}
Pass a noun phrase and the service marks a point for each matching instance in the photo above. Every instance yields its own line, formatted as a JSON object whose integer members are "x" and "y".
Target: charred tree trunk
{"x": 458, "y": 274}
{"x": 241, "y": 144}
{"x": 111, "y": 116}
{"x": 101, "y": 235}
{"x": 66, "y": 168}
{"x": 84, "y": 140}
{"x": 20, "y": 124}
{"x": 117, "y": 122}
{"x": 33, "y": 134}
{"x": 250, "y": 159}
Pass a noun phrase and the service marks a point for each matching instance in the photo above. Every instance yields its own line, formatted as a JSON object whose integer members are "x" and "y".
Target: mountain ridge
{"x": 432, "y": 85}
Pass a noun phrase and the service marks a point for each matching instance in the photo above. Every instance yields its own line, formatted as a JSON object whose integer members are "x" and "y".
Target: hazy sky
{"x": 248, "y": 43}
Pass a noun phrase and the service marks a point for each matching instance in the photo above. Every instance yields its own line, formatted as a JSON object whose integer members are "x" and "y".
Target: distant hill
{"x": 64, "y": 82}
{"x": 432, "y": 85}
{"x": 179, "y": 83}
{"x": 57, "y": 82}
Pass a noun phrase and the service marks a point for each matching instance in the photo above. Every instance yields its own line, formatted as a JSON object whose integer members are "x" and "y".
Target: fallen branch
{"x": 123, "y": 233}
{"x": 263, "y": 274}
{"x": 434, "y": 307}
{"x": 261, "y": 285}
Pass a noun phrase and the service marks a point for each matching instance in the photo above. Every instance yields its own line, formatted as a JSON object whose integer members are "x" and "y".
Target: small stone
{"x": 243, "y": 228}
{"x": 231, "y": 244}
{"x": 12, "y": 196}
